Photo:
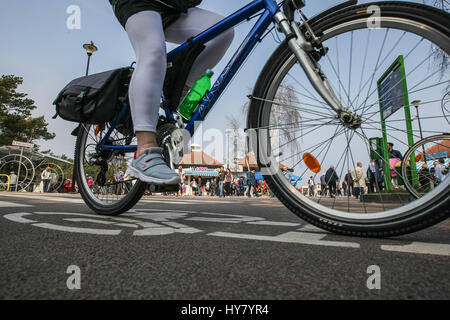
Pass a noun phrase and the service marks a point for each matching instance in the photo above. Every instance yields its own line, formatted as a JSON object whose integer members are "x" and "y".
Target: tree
{"x": 285, "y": 122}
{"x": 16, "y": 121}
{"x": 440, "y": 57}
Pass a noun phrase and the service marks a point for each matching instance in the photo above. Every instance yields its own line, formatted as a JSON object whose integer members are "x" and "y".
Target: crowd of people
{"x": 358, "y": 181}
{"x": 225, "y": 184}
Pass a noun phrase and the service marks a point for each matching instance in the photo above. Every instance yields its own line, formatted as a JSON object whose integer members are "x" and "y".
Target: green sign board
{"x": 393, "y": 96}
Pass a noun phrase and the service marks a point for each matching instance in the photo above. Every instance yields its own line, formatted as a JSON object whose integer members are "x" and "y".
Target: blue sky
{"x": 37, "y": 46}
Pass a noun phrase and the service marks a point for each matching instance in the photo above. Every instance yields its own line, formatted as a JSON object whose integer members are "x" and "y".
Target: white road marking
{"x": 311, "y": 228}
{"x": 275, "y": 223}
{"x": 78, "y": 230}
{"x": 89, "y": 220}
{"x": 290, "y": 237}
{"x": 48, "y": 198}
{"x": 19, "y": 217}
{"x": 184, "y": 201}
{"x": 127, "y": 225}
{"x": 161, "y": 223}
{"x": 421, "y": 248}
{"x": 221, "y": 220}
{"x": 154, "y": 231}
{"x": 5, "y": 204}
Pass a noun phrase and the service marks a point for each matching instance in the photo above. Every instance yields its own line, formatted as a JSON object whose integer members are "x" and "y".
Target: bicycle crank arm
{"x": 301, "y": 48}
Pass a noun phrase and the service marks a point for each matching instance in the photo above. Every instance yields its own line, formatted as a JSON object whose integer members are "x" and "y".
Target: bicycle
{"x": 334, "y": 111}
{"x": 420, "y": 178}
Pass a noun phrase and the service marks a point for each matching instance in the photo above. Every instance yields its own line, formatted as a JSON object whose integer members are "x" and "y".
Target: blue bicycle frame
{"x": 270, "y": 8}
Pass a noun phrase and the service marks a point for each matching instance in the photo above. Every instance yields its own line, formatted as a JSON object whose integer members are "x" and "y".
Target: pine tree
{"x": 16, "y": 121}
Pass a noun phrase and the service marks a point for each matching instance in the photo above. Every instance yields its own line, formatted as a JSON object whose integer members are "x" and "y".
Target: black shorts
{"x": 124, "y": 9}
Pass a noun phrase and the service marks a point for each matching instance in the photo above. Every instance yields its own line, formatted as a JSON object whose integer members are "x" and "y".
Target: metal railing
{"x": 3, "y": 184}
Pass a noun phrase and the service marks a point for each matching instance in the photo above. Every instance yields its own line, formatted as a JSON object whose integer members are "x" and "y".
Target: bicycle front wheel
{"x": 375, "y": 72}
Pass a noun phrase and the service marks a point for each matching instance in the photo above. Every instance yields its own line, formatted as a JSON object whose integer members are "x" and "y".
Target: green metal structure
{"x": 392, "y": 96}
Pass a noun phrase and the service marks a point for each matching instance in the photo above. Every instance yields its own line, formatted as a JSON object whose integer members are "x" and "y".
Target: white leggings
{"x": 148, "y": 38}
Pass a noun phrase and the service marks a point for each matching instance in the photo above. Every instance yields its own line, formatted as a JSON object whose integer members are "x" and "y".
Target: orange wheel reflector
{"x": 418, "y": 157}
{"x": 97, "y": 130}
{"x": 311, "y": 162}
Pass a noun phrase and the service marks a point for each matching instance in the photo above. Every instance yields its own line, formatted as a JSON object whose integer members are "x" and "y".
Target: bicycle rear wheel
{"x": 107, "y": 195}
{"x": 294, "y": 125}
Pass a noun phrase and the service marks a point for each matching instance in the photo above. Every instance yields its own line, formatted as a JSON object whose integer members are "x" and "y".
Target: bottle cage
{"x": 178, "y": 67}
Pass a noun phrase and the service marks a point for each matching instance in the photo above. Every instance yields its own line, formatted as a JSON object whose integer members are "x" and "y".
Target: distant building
{"x": 199, "y": 164}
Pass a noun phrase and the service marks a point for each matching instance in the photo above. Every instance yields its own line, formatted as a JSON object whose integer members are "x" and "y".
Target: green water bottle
{"x": 195, "y": 95}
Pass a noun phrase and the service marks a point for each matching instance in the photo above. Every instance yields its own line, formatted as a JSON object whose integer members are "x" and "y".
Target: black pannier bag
{"x": 94, "y": 99}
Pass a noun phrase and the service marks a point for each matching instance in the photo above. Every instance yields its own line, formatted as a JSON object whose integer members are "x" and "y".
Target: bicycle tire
{"x": 422, "y": 216}
{"x": 408, "y": 154}
{"x": 124, "y": 204}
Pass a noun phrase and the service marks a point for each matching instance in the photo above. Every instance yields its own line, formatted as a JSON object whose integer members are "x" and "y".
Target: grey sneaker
{"x": 151, "y": 167}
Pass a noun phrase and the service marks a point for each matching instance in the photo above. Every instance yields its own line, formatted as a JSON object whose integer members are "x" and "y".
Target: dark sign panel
{"x": 391, "y": 92}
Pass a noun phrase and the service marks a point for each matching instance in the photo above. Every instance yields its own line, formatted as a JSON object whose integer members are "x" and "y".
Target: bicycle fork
{"x": 303, "y": 50}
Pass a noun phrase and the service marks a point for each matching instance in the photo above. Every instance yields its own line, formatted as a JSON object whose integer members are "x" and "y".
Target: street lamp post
{"x": 416, "y": 103}
{"x": 90, "y": 49}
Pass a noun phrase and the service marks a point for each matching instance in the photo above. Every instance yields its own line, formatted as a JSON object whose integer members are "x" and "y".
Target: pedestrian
{"x": 241, "y": 186}
{"x": 251, "y": 182}
{"x": 331, "y": 179}
{"x": 438, "y": 176}
{"x": 425, "y": 177}
{"x": 200, "y": 186}
{"x": 316, "y": 190}
{"x": 394, "y": 154}
{"x": 46, "y": 176}
{"x": 221, "y": 178}
{"x": 90, "y": 182}
{"x": 208, "y": 187}
{"x": 127, "y": 182}
{"x": 374, "y": 175}
{"x": 323, "y": 185}
{"x": 228, "y": 181}
{"x": 395, "y": 157}
{"x": 68, "y": 186}
{"x": 359, "y": 180}
{"x": 182, "y": 178}
{"x": 12, "y": 181}
{"x": 194, "y": 186}
{"x": 339, "y": 188}
{"x": 213, "y": 187}
{"x": 118, "y": 178}
{"x": 311, "y": 186}
{"x": 348, "y": 180}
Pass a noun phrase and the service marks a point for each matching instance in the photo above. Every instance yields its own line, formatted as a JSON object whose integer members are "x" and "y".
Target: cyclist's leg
{"x": 191, "y": 24}
{"x": 146, "y": 34}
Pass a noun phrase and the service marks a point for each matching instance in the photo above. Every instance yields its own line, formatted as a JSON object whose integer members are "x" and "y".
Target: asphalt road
{"x": 178, "y": 248}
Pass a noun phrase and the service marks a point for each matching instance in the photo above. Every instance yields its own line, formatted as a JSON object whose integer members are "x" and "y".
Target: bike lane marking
{"x": 420, "y": 248}
{"x": 291, "y": 237}
{"x": 154, "y": 222}
{"x": 6, "y": 204}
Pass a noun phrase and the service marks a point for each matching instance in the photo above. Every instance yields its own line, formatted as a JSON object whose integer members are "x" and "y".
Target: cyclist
{"x": 143, "y": 21}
